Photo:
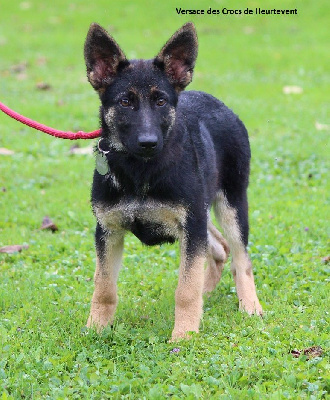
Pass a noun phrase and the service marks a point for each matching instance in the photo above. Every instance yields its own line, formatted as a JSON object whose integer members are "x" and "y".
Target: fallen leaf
{"x": 322, "y": 127}
{"x": 248, "y": 30}
{"x": 292, "y": 90}
{"x": 310, "y": 352}
{"x": 76, "y": 149}
{"x": 314, "y": 351}
{"x": 6, "y": 152}
{"x": 15, "y": 248}
{"x": 60, "y": 102}
{"x": 41, "y": 61}
{"x": 21, "y": 76}
{"x": 25, "y": 5}
{"x": 47, "y": 223}
{"x": 3, "y": 41}
{"x": 295, "y": 353}
{"x": 43, "y": 86}
{"x": 19, "y": 68}
{"x": 54, "y": 20}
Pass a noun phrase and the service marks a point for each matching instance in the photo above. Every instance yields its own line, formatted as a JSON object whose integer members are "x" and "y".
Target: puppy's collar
{"x": 102, "y": 165}
{"x": 99, "y": 147}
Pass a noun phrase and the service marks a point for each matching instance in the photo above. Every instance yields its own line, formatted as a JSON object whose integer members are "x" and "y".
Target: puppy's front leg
{"x": 189, "y": 293}
{"x": 109, "y": 249}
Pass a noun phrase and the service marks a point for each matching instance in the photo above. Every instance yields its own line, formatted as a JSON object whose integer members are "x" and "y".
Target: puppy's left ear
{"x": 177, "y": 58}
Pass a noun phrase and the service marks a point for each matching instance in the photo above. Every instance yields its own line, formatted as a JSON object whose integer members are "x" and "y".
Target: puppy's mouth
{"x": 148, "y": 154}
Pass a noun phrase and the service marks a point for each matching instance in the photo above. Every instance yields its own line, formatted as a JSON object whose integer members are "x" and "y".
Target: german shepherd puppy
{"x": 164, "y": 158}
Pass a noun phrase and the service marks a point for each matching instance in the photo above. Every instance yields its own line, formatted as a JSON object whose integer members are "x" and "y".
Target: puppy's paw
{"x": 177, "y": 336}
{"x": 100, "y": 317}
{"x": 251, "y": 307}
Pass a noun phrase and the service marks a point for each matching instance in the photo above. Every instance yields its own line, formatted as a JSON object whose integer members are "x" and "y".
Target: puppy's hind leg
{"x": 218, "y": 251}
{"x": 233, "y": 219}
{"x": 109, "y": 249}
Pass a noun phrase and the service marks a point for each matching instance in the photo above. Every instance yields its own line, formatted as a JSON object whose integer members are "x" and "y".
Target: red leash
{"x": 46, "y": 129}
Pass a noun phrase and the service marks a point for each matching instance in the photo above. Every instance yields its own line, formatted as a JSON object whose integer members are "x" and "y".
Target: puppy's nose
{"x": 148, "y": 142}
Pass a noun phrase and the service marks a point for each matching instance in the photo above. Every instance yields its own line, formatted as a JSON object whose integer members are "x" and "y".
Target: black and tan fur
{"x": 171, "y": 156}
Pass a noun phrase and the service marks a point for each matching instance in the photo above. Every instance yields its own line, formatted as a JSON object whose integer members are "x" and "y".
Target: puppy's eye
{"x": 124, "y": 102}
{"x": 161, "y": 102}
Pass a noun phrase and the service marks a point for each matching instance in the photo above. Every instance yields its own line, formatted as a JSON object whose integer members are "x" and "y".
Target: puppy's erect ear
{"x": 103, "y": 57}
{"x": 178, "y": 56}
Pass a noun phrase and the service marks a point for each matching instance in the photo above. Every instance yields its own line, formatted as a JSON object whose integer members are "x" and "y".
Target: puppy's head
{"x": 139, "y": 97}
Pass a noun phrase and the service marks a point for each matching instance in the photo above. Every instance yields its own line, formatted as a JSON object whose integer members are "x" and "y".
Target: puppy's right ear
{"x": 103, "y": 57}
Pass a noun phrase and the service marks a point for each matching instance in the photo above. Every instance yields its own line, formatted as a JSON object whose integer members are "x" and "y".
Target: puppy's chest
{"x": 151, "y": 221}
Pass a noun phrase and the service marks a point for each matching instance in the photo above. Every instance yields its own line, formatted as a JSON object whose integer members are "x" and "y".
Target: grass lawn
{"x": 272, "y": 70}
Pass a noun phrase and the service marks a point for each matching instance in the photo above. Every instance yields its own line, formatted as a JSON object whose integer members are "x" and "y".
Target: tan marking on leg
{"x": 188, "y": 296}
{"x": 241, "y": 268}
{"x": 241, "y": 265}
{"x": 218, "y": 252}
{"x": 104, "y": 300}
